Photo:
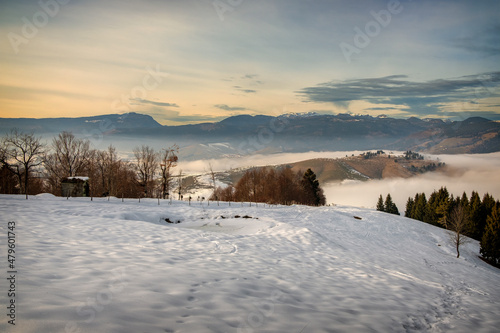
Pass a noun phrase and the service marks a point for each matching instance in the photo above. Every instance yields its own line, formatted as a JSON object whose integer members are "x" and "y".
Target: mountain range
{"x": 246, "y": 134}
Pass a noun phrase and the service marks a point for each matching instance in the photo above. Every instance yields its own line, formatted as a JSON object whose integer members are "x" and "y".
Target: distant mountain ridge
{"x": 246, "y": 134}
{"x": 104, "y": 123}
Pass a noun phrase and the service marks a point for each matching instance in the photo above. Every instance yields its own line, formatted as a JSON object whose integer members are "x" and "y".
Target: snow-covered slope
{"x": 119, "y": 267}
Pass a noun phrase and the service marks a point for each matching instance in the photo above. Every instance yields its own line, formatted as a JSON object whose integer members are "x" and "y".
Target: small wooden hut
{"x": 75, "y": 187}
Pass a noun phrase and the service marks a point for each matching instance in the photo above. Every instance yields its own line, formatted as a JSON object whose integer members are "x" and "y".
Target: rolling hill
{"x": 113, "y": 266}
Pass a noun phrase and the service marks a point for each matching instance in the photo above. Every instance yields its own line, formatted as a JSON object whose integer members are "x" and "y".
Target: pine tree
{"x": 443, "y": 211}
{"x": 390, "y": 206}
{"x": 438, "y": 207}
{"x": 490, "y": 242}
{"x": 413, "y": 212}
{"x": 312, "y": 188}
{"x": 380, "y": 204}
{"x": 433, "y": 203}
{"x": 409, "y": 207}
{"x": 420, "y": 207}
{"x": 476, "y": 225}
{"x": 488, "y": 205}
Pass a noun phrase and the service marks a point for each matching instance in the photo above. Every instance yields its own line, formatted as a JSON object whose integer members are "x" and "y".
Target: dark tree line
{"x": 269, "y": 185}
{"x": 426, "y": 168}
{"x": 473, "y": 217}
{"x": 28, "y": 166}
{"x": 370, "y": 154}
{"x": 410, "y": 155}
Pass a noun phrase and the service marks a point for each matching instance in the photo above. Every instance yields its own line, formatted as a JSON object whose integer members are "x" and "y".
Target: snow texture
{"x": 113, "y": 266}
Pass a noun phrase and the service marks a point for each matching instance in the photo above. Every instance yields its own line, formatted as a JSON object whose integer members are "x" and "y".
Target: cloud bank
{"x": 422, "y": 98}
{"x": 473, "y": 173}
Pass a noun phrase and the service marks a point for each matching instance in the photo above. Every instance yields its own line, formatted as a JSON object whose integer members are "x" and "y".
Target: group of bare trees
{"x": 28, "y": 166}
{"x": 148, "y": 162}
{"x": 274, "y": 186}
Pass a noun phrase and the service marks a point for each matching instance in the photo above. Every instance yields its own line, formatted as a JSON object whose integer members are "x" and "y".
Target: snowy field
{"x": 119, "y": 267}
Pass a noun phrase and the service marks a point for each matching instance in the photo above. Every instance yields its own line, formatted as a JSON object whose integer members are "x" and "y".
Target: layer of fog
{"x": 223, "y": 164}
{"x": 478, "y": 172}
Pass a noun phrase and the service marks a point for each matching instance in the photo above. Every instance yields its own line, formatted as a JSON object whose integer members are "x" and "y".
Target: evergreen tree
{"x": 312, "y": 189}
{"x": 488, "y": 204}
{"x": 380, "y": 204}
{"x": 390, "y": 206}
{"x": 433, "y": 203}
{"x": 476, "y": 225}
{"x": 438, "y": 207}
{"x": 464, "y": 201}
{"x": 443, "y": 211}
{"x": 413, "y": 213}
{"x": 490, "y": 242}
{"x": 420, "y": 207}
{"x": 409, "y": 207}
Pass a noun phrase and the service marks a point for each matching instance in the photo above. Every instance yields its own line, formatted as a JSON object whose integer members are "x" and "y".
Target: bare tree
{"x": 168, "y": 160}
{"x": 212, "y": 177}
{"x": 110, "y": 176}
{"x": 92, "y": 173}
{"x": 126, "y": 180}
{"x": 179, "y": 183}
{"x": 52, "y": 175}
{"x": 146, "y": 164}
{"x": 457, "y": 222}
{"x": 70, "y": 156}
{"x": 21, "y": 153}
{"x": 105, "y": 165}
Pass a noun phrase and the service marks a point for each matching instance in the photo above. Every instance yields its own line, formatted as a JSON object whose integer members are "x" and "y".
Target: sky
{"x": 195, "y": 61}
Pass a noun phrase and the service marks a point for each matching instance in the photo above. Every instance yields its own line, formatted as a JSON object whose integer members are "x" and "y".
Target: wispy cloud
{"x": 140, "y": 101}
{"x": 249, "y": 76}
{"x": 486, "y": 42}
{"x": 244, "y": 90}
{"x": 225, "y": 107}
{"x": 249, "y": 91}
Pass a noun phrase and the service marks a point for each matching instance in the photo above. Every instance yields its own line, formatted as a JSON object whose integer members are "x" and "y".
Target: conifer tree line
{"x": 28, "y": 166}
{"x": 479, "y": 218}
{"x": 274, "y": 186}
